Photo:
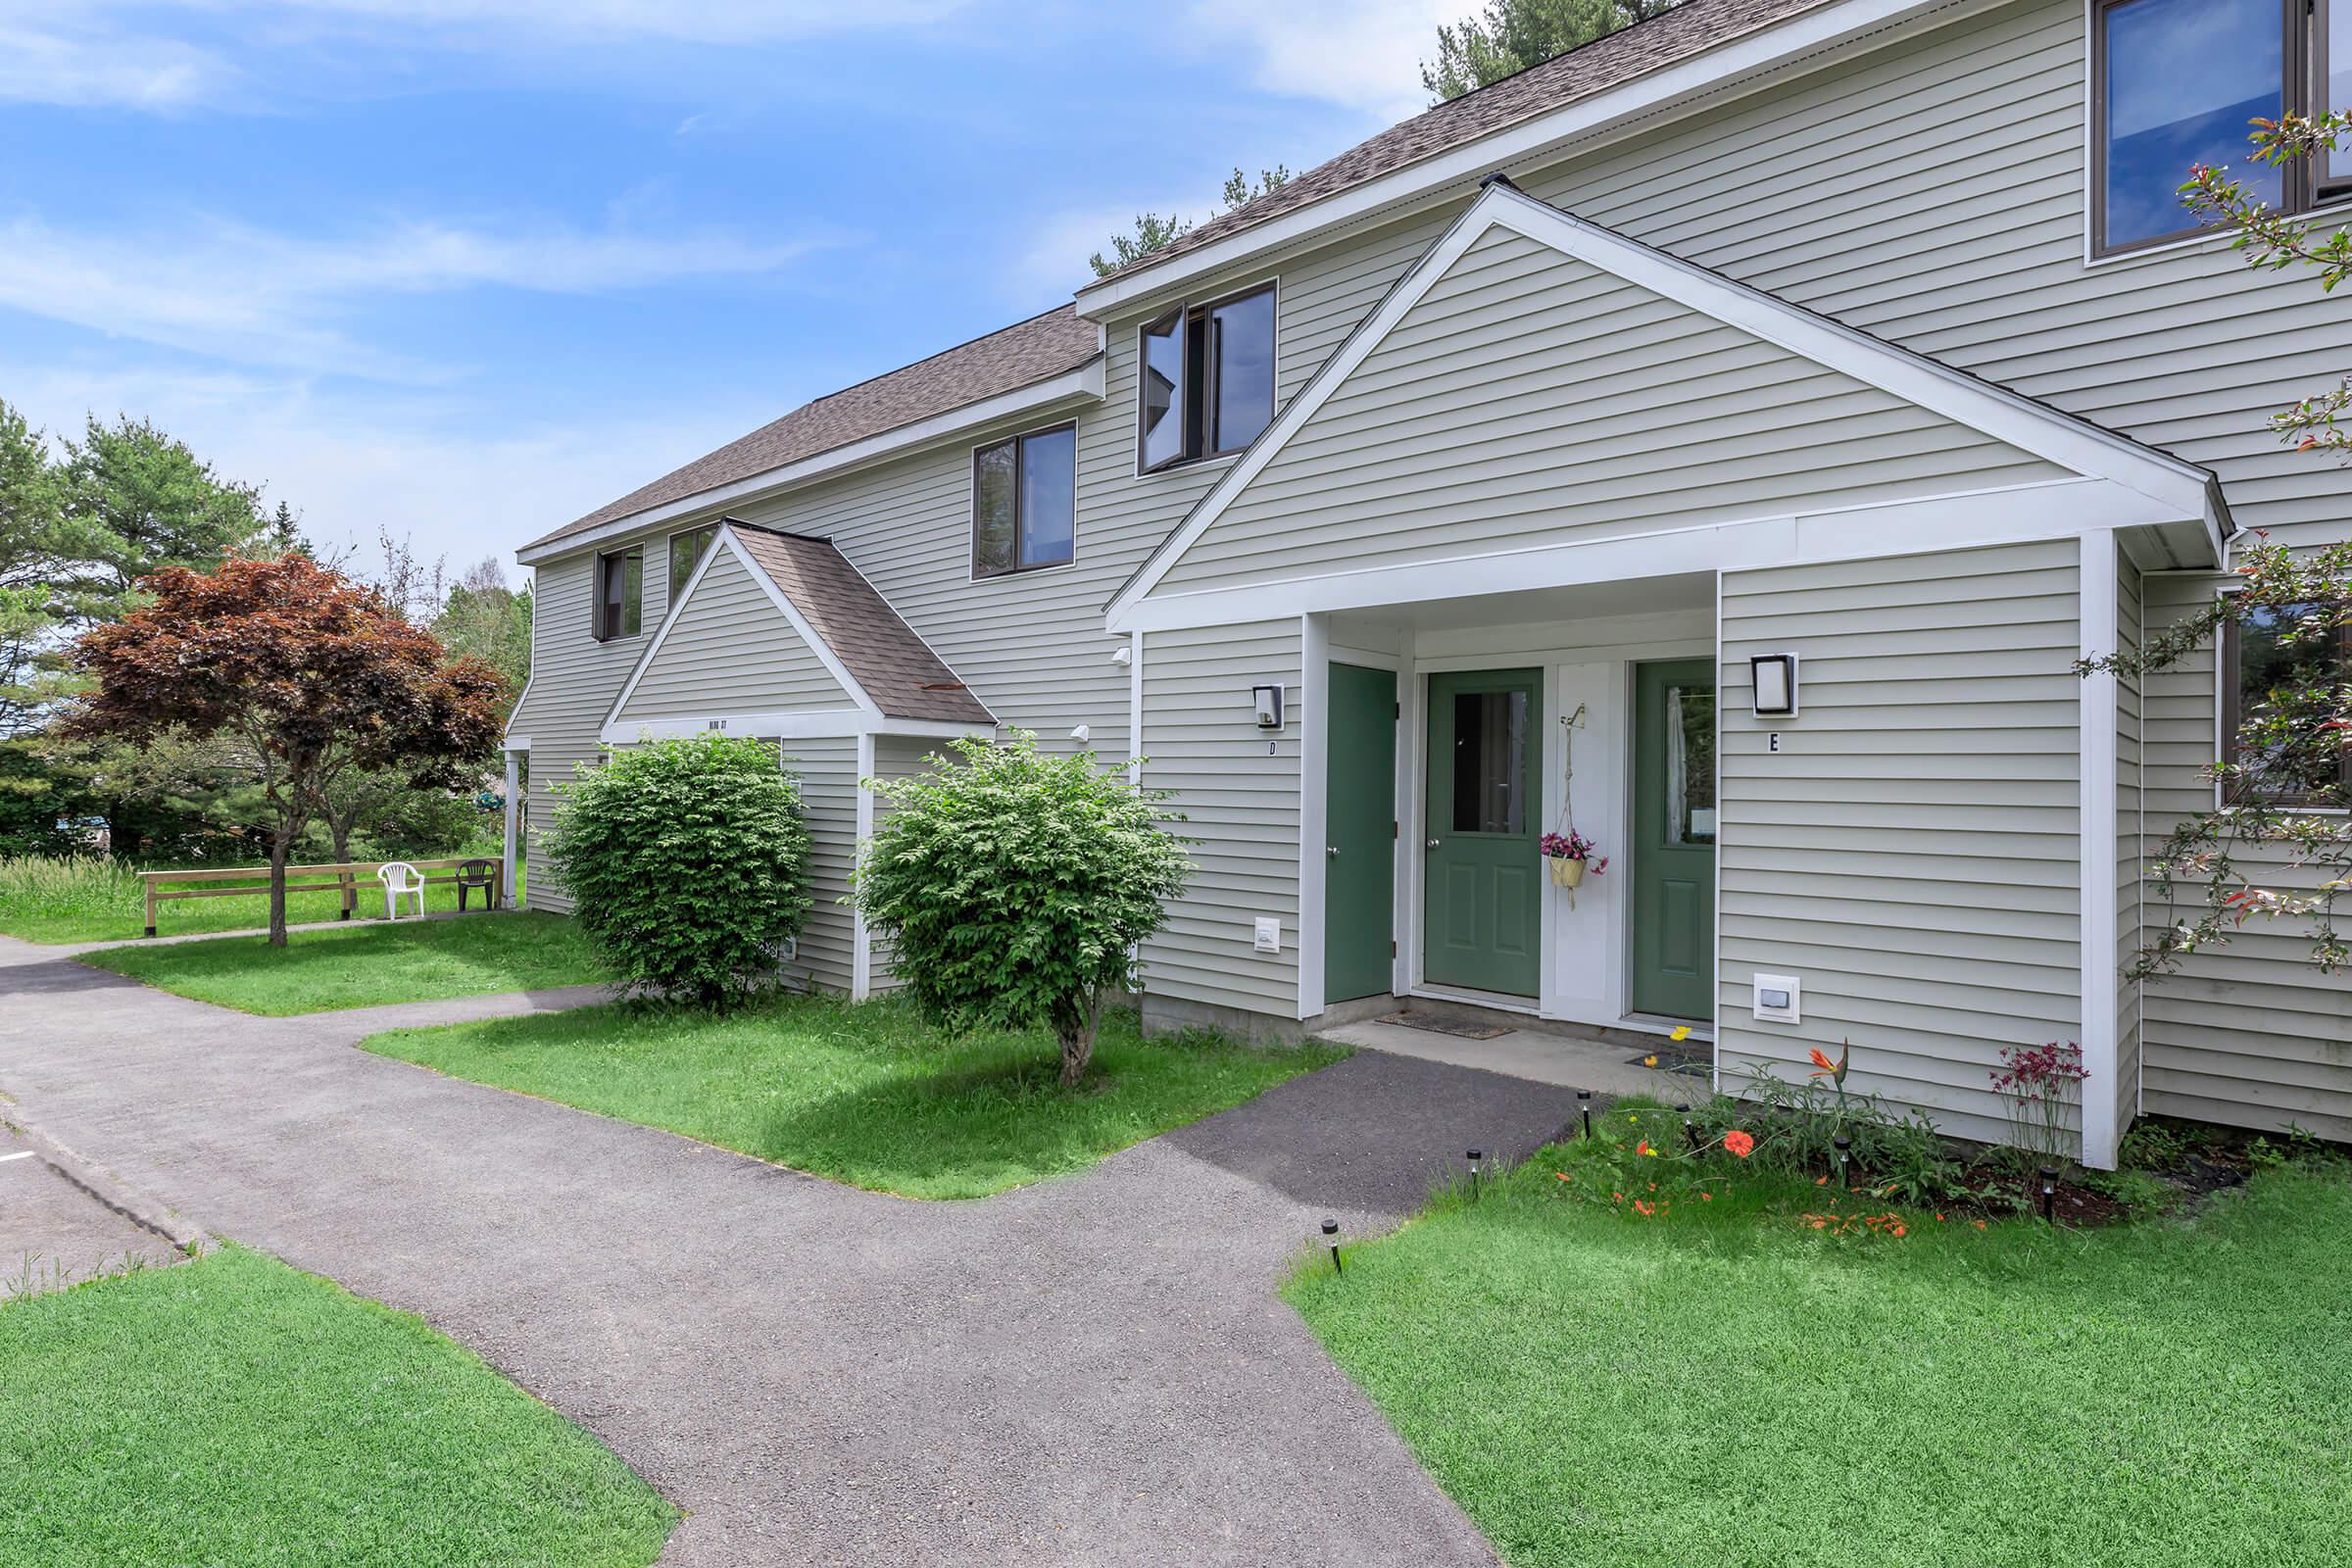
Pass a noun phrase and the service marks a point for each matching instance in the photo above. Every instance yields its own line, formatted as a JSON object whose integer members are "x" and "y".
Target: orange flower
{"x": 1643, "y": 1148}
{"x": 1706, "y": 1198}
{"x": 1561, "y": 1174}
{"x": 1834, "y": 1071}
{"x": 1641, "y": 1207}
{"x": 1739, "y": 1143}
{"x": 1650, "y": 1062}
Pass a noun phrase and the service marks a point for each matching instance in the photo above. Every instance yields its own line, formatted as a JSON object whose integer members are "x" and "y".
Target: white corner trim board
{"x": 1709, "y": 75}
{"x": 2167, "y": 489}
{"x": 862, "y": 938}
{"x": 1085, "y": 384}
{"x": 2101, "y": 1100}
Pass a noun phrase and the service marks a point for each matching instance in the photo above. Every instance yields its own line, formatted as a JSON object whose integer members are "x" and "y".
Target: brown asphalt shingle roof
{"x": 895, "y": 668}
{"x": 1018, "y": 355}
{"x": 1691, "y": 29}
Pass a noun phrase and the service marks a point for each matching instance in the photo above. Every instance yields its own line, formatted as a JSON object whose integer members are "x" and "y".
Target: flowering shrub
{"x": 2043, "y": 1085}
{"x": 1573, "y": 846}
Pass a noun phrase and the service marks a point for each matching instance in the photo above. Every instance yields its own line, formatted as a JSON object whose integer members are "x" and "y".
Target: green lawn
{"x": 1723, "y": 1382}
{"x": 364, "y": 965}
{"x": 90, "y": 900}
{"x": 863, "y": 1094}
{"x": 232, "y": 1410}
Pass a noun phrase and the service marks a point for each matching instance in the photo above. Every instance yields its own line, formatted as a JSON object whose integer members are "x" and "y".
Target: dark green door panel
{"x": 1360, "y": 866}
{"x": 1674, "y": 839}
{"x": 1483, "y": 875}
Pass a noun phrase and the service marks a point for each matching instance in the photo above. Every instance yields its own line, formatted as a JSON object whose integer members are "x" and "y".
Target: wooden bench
{"x": 347, "y": 877}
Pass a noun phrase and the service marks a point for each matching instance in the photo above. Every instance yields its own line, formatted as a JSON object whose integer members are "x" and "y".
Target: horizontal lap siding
{"x": 2130, "y": 851}
{"x": 574, "y": 679}
{"x": 2250, "y": 1034}
{"x": 827, "y": 771}
{"x": 1530, "y": 399}
{"x": 1238, "y": 788}
{"x": 732, "y": 651}
{"x": 1912, "y": 852}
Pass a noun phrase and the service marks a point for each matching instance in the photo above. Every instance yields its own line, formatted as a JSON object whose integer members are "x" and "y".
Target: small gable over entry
{"x": 1540, "y": 400}
{"x": 779, "y": 634}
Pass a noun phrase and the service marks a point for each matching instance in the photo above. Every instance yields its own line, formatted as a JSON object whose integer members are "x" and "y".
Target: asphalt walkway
{"x": 1093, "y": 1370}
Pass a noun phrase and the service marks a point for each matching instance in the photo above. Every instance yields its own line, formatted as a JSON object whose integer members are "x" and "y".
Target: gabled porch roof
{"x": 861, "y": 668}
{"x": 1970, "y": 463}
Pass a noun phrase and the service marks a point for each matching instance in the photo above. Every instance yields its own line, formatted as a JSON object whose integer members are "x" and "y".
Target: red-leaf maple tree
{"x": 306, "y": 672}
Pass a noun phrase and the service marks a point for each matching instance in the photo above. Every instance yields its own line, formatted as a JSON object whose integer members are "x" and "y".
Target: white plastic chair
{"x": 401, "y": 880}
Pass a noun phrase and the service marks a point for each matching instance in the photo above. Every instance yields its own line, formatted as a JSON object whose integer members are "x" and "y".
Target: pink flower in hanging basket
{"x": 1573, "y": 846}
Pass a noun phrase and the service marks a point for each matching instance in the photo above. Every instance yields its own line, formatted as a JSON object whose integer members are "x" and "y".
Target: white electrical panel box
{"x": 1269, "y": 935}
{"x": 1777, "y": 997}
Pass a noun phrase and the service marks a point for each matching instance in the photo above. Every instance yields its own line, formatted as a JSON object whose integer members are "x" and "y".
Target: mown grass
{"x": 232, "y": 1410}
{"x": 366, "y": 965}
{"x": 864, "y": 1094}
{"x": 90, "y": 899}
{"x": 1723, "y": 1381}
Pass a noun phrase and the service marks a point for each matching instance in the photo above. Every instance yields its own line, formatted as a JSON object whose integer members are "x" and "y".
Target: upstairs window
{"x": 685, "y": 554}
{"x": 2262, "y": 665}
{"x": 1025, "y": 501}
{"x": 1207, "y": 376}
{"x": 2176, "y": 84}
{"x": 619, "y": 593}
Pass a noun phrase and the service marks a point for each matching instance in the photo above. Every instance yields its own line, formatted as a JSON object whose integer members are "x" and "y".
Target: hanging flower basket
{"x": 1570, "y": 856}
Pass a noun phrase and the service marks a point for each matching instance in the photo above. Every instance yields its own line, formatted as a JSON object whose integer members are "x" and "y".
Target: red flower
{"x": 1739, "y": 1143}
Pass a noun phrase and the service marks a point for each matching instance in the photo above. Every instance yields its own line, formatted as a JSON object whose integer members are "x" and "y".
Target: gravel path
{"x": 1087, "y": 1371}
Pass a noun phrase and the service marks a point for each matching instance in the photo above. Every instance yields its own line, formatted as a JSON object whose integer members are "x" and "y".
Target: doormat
{"x": 1442, "y": 1026}
{"x": 1689, "y": 1063}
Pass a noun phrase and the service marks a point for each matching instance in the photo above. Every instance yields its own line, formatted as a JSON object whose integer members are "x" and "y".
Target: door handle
{"x": 1433, "y": 844}
{"x": 1332, "y": 850}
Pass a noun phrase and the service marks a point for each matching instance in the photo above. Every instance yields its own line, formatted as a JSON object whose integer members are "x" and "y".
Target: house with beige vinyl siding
{"x": 1459, "y": 490}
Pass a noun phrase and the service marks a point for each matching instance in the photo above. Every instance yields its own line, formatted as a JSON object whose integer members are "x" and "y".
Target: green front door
{"x": 1674, "y": 839}
{"x": 1360, "y": 845}
{"x": 1484, "y": 881}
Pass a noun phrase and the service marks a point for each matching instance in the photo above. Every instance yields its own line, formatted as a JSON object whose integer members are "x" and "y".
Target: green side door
{"x": 1673, "y": 856}
{"x": 1360, "y": 846}
{"x": 1483, "y": 914}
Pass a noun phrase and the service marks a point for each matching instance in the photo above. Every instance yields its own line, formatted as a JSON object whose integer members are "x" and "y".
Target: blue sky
{"x": 468, "y": 270}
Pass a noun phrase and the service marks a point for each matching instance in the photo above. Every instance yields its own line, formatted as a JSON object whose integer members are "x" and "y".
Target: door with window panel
{"x": 1483, "y": 866}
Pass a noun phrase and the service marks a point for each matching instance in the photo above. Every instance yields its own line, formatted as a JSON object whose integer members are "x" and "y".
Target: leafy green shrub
{"x": 1795, "y": 1127}
{"x": 1015, "y": 886}
{"x": 687, "y": 863}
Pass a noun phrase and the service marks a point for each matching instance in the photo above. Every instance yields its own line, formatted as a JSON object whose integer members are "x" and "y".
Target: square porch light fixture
{"x": 1772, "y": 684}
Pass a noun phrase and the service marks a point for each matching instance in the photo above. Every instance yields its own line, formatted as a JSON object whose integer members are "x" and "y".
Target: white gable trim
{"x": 775, "y": 596}
{"x": 1708, "y": 76}
{"x": 2176, "y": 490}
{"x": 1083, "y": 385}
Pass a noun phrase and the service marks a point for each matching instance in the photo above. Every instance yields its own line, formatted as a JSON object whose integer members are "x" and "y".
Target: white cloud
{"x": 78, "y": 67}
{"x": 546, "y": 21}
{"x": 253, "y": 297}
{"x": 352, "y": 464}
{"x": 1360, "y": 54}
{"x": 1051, "y": 264}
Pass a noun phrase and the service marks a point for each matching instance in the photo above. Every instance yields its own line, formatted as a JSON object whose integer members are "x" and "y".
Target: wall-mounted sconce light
{"x": 1772, "y": 679}
{"x": 1267, "y": 700}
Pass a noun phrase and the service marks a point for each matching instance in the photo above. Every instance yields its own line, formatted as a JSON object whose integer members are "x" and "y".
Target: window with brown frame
{"x": 2174, "y": 84}
{"x": 1208, "y": 379}
{"x": 685, "y": 554}
{"x": 619, "y": 593}
{"x": 1025, "y": 501}
{"x": 2257, "y": 661}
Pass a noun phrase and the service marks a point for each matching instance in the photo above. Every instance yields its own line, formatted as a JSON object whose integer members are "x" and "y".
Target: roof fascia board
{"x": 1963, "y": 520}
{"x": 1083, "y": 384}
{"x": 809, "y": 724}
{"x": 2165, "y": 482}
{"x": 1705, "y": 73}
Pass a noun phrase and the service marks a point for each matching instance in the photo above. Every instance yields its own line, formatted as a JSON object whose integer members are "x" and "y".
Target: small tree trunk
{"x": 281, "y": 845}
{"x": 1075, "y": 1023}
